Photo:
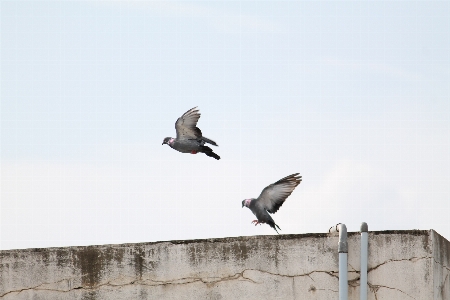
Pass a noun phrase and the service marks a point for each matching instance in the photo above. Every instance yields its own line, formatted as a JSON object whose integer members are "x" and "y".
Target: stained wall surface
{"x": 402, "y": 265}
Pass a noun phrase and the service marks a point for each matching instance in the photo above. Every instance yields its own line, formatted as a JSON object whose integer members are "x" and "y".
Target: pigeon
{"x": 189, "y": 137}
{"x": 271, "y": 199}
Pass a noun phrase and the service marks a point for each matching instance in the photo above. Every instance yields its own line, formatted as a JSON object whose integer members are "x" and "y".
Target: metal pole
{"x": 343, "y": 252}
{"x": 364, "y": 261}
{"x": 343, "y": 280}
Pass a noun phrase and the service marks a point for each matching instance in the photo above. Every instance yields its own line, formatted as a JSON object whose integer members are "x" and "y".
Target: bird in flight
{"x": 271, "y": 198}
{"x": 189, "y": 137}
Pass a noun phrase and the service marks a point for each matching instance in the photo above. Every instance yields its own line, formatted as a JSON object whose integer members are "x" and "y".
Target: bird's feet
{"x": 256, "y": 222}
{"x": 193, "y": 152}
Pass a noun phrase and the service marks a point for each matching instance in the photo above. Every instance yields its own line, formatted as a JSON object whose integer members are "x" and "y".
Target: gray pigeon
{"x": 271, "y": 198}
{"x": 189, "y": 137}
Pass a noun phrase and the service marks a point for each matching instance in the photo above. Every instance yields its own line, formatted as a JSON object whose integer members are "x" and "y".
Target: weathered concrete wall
{"x": 402, "y": 265}
{"x": 441, "y": 267}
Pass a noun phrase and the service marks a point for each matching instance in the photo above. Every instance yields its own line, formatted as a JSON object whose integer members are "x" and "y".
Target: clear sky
{"x": 355, "y": 96}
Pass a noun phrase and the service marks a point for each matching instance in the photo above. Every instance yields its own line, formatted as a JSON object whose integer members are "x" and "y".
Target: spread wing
{"x": 186, "y": 125}
{"x": 274, "y": 195}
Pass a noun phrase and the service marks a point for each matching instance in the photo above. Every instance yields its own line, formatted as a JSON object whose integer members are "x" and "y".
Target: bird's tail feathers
{"x": 209, "y": 141}
{"x": 209, "y": 152}
{"x": 274, "y": 226}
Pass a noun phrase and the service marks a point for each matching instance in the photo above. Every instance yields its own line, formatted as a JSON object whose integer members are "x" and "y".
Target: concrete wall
{"x": 402, "y": 265}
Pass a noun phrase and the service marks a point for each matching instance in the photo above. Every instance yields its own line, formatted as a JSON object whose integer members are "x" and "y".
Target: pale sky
{"x": 355, "y": 96}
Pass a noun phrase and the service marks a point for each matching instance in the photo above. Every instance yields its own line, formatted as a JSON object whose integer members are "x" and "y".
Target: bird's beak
{"x": 162, "y": 143}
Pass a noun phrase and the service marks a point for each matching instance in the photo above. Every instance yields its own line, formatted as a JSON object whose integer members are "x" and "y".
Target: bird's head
{"x": 246, "y": 202}
{"x": 166, "y": 140}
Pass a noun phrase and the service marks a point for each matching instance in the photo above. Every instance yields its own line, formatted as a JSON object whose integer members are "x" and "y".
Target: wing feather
{"x": 186, "y": 125}
{"x": 274, "y": 195}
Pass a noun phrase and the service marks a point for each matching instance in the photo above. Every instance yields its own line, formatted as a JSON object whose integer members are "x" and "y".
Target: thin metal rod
{"x": 364, "y": 260}
{"x": 343, "y": 278}
{"x": 343, "y": 252}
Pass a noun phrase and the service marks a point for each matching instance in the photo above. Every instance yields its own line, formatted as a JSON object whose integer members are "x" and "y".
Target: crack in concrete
{"x": 441, "y": 288}
{"x": 179, "y": 281}
{"x": 375, "y": 287}
{"x": 331, "y": 273}
{"x": 38, "y": 287}
{"x": 444, "y": 266}
{"x": 205, "y": 280}
{"x": 327, "y": 290}
{"x": 213, "y": 280}
{"x": 353, "y": 282}
{"x": 354, "y": 270}
{"x": 397, "y": 260}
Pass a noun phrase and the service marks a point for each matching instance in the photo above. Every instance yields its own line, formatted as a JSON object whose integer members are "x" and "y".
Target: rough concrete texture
{"x": 402, "y": 265}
